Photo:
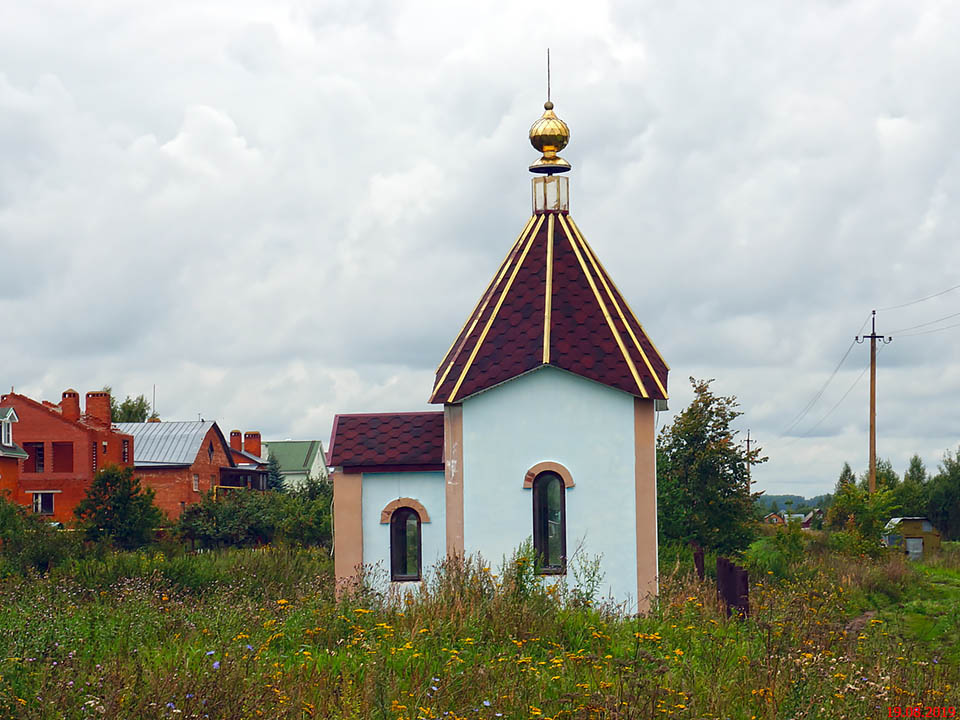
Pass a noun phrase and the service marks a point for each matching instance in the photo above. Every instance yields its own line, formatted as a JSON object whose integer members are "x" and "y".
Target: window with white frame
{"x": 6, "y": 433}
{"x": 196, "y": 483}
{"x": 43, "y": 503}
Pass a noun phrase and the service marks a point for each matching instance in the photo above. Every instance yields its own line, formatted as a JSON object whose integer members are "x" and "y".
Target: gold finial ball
{"x": 549, "y": 134}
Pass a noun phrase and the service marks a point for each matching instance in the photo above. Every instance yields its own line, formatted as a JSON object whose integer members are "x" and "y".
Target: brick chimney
{"x": 236, "y": 440}
{"x": 98, "y": 406}
{"x": 70, "y": 405}
{"x": 251, "y": 443}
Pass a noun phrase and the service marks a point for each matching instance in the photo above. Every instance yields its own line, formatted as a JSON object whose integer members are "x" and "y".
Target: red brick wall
{"x": 39, "y": 424}
{"x": 174, "y": 485}
{"x": 9, "y": 474}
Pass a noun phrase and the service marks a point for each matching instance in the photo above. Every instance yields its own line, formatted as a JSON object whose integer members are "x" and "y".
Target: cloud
{"x": 277, "y": 211}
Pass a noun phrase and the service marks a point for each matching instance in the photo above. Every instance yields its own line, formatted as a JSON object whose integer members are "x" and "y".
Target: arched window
{"x": 404, "y": 545}
{"x": 550, "y": 523}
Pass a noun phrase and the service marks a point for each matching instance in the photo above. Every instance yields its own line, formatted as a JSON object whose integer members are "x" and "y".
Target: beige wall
{"x": 646, "y": 494}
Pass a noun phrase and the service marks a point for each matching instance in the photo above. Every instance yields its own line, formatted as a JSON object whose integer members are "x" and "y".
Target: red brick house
{"x": 10, "y": 454}
{"x": 246, "y": 449}
{"x": 182, "y": 461}
{"x": 64, "y": 449}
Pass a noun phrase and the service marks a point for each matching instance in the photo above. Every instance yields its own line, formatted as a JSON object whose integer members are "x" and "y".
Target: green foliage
{"x": 886, "y": 476}
{"x": 28, "y": 542}
{"x": 778, "y": 554}
{"x": 241, "y": 518}
{"x": 703, "y": 491}
{"x": 860, "y": 518}
{"x": 847, "y": 477}
{"x": 943, "y": 506}
{"x": 117, "y": 509}
{"x": 274, "y": 477}
{"x": 132, "y": 409}
{"x": 913, "y": 494}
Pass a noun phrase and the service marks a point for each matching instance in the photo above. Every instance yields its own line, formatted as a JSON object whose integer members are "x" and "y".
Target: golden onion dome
{"x": 549, "y": 135}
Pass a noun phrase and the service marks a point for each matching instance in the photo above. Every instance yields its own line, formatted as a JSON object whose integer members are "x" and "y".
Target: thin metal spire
{"x": 548, "y": 74}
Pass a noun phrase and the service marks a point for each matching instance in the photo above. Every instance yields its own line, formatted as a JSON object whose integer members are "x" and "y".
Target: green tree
{"x": 886, "y": 476}
{"x": 860, "y": 517}
{"x": 118, "y": 509}
{"x": 703, "y": 487}
{"x": 28, "y": 541}
{"x": 913, "y": 494}
{"x": 274, "y": 477}
{"x": 943, "y": 506}
{"x": 846, "y": 477}
{"x": 132, "y": 409}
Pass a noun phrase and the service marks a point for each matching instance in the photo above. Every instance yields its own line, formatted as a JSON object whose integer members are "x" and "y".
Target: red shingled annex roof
{"x": 551, "y": 303}
{"x": 383, "y": 442}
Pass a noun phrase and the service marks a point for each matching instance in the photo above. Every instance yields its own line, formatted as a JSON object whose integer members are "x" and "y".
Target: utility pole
{"x": 749, "y": 481}
{"x": 873, "y": 337}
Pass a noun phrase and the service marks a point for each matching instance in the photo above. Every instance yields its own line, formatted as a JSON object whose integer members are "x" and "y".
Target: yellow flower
{"x": 678, "y": 652}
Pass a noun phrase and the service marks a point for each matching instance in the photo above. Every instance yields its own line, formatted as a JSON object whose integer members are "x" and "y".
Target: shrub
{"x": 28, "y": 542}
{"x": 117, "y": 509}
{"x": 780, "y": 553}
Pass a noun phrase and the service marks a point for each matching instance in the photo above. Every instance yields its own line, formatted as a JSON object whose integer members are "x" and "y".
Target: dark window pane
{"x": 63, "y": 457}
{"x": 405, "y": 545}
{"x": 549, "y": 522}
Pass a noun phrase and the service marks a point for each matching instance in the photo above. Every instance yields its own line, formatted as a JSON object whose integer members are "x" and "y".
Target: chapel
{"x": 546, "y": 433}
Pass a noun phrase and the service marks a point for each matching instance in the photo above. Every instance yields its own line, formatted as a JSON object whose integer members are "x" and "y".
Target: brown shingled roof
{"x": 387, "y": 442}
{"x": 551, "y": 303}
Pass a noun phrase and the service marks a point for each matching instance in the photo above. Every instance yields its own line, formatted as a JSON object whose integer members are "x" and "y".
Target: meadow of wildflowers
{"x": 260, "y": 634}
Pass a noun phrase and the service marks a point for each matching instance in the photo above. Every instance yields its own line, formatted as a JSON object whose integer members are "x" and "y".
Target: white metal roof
{"x": 166, "y": 443}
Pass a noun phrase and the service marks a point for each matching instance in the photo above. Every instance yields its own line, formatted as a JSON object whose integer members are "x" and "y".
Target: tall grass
{"x": 259, "y": 633}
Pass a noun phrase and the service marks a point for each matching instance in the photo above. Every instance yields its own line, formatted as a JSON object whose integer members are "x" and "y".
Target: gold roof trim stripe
{"x": 606, "y": 313}
{"x": 496, "y": 309}
{"x": 588, "y": 251}
{"x": 613, "y": 283}
{"x": 548, "y": 299}
{"x": 481, "y": 306}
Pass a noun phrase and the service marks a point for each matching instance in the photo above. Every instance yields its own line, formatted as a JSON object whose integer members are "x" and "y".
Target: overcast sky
{"x": 279, "y": 210}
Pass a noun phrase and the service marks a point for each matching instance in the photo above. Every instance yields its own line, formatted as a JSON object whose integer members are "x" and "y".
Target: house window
{"x": 93, "y": 456}
{"x": 196, "y": 483}
{"x": 43, "y": 503}
{"x": 210, "y": 451}
{"x": 126, "y": 451}
{"x": 63, "y": 457}
{"x": 6, "y": 433}
{"x": 405, "y": 552}
{"x": 550, "y": 523}
{"x": 34, "y": 461}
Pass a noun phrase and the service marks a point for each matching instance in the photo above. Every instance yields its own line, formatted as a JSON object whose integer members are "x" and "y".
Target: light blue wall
{"x": 378, "y": 490}
{"x": 553, "y": 415}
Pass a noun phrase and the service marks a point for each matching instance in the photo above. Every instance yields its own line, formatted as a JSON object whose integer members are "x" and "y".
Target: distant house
{"x": 805, "y": 520}
{"x": 10, "y": 454}
{"x": 247, "y": 452}
{"x": 810, "y": 518}
{"x": 298, "y": 460}
{"x": 65, "y": 448}
{"x": 182, "y": 461}
{"x": 916, "y": 536}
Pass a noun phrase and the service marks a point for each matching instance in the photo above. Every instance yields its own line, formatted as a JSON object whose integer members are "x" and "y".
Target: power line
{"x": 844, "y": 397}
{"x": 813, "y": 401}
{"x": 931, "y": 322}
{"x": 914, "y": 302}
{"x": 927, "y": 332}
